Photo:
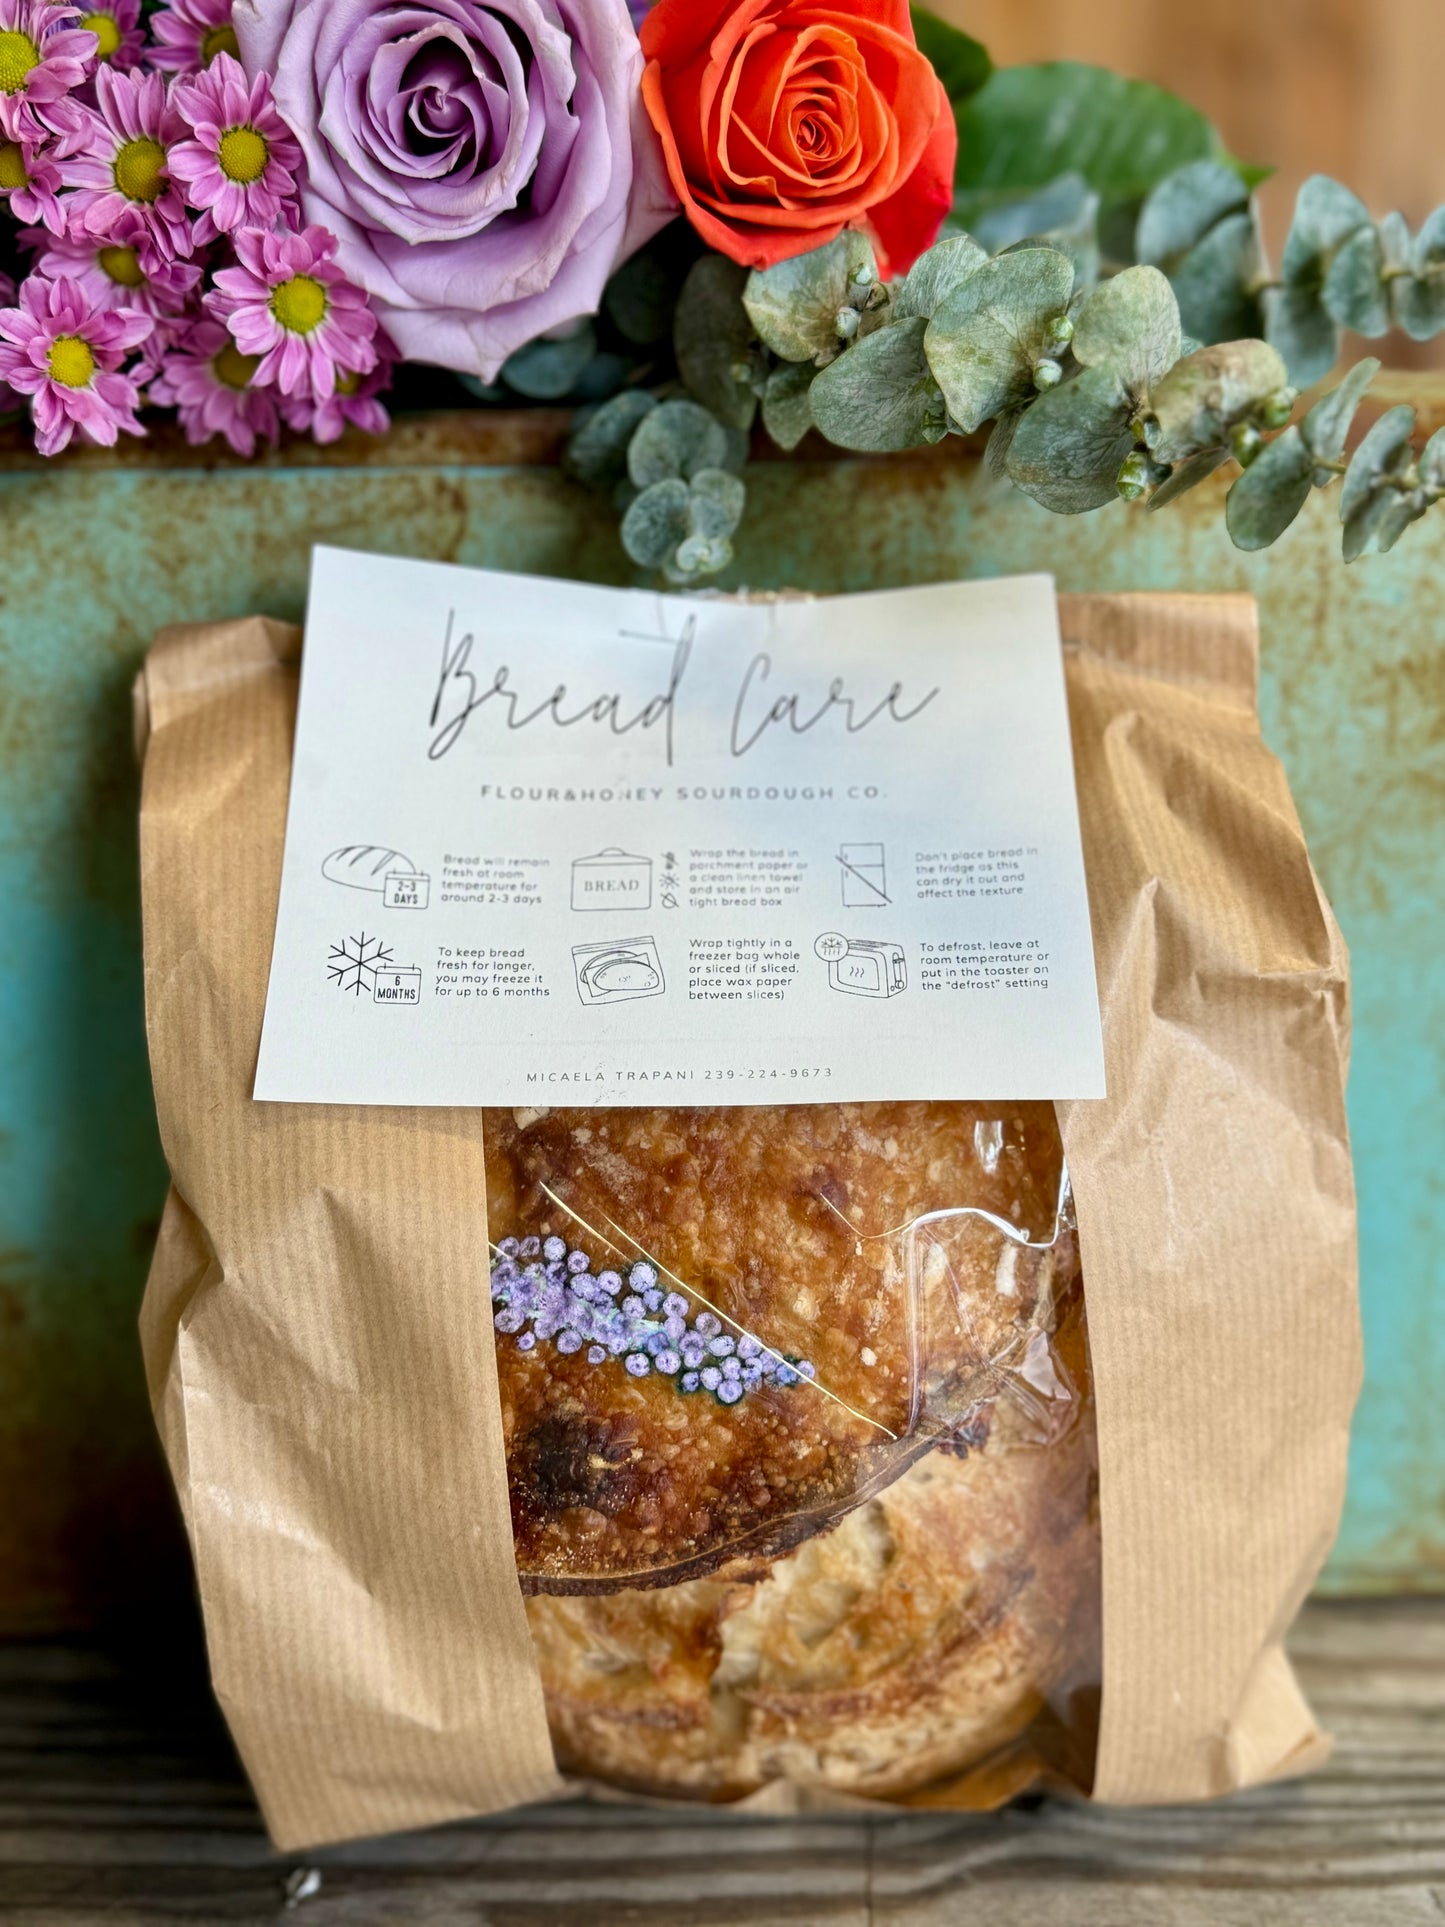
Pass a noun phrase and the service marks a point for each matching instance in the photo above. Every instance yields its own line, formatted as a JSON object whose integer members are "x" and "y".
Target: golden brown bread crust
{"x": 922, "y": 1634}
{"x": 774, "y": 1219}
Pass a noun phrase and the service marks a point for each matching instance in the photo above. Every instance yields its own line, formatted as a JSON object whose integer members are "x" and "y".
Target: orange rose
{"x": 786, "y": 121}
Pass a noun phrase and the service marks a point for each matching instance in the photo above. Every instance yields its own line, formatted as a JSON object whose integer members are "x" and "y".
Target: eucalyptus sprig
{"x": 1097, "y": 377}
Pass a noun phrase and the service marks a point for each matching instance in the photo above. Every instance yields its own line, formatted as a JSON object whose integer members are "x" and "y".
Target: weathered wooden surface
{"x": 120, "y": 1801}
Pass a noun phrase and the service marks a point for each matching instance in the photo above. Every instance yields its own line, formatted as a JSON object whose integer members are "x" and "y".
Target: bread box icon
{"x": 612, "y": 880}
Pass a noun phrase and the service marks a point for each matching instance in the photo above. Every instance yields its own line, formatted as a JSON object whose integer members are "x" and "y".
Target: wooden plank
{"x": 119, "y": 1800}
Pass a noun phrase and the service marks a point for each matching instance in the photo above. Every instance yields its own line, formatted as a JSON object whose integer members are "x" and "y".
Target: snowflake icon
{"x": 355, "y": 962}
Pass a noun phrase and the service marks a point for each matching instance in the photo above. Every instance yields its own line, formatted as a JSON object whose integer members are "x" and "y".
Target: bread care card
{"x": 550, "y": 844}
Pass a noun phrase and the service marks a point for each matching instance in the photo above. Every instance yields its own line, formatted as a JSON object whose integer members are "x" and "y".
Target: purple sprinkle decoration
{"x": 693, "y": 1352}
{"x": 688, "y": 1382}
{"x": 721, "y": 1346}
{"x": 710, "y": 1377}
{"x": 748, "y": 1347}
{"x": 730, "y": 1391}
{"x": 642, "y": 1277}
{"x": 529, "y": 1247}
{"x": 526, "y": 1341}
{"x": 676, "y": 1328}
{"x": 807, "y": 1368}
{"x": 675, "y": 1305}
{"x": 638, "y": 1363}
{"x": 610, "y": 1281}
{"x": 731, "y": 1368}
{"x": 633, "y": 1306}
{"x": 707, "y": 1324}
{"x": 578, "y": 1261}
{"x": 569, "y": 1341}
{"x": 509, "y": 1247}
{"x": 596, "y": 1354}
{"x": 666, "y": 1361}
{"x": 554, "y": 1250}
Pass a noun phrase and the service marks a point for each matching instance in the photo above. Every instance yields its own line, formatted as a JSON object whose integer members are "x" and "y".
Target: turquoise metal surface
{"x": 98, "y": 555}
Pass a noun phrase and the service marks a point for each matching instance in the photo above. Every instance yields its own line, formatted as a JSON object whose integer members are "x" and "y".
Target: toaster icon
{"x": 869, "y": 969}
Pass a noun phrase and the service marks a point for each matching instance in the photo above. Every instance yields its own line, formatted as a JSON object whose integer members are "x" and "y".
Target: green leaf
{"x": 1432, "y": 463}
{"x": 1186, "y": 475}
{"x": 596, "y": 454}
{"x": 1214, "y": 282}
{"x": 1270, "y": 493}
{"x": 794, "y": 306}
{"x": 1296, "y": 323}
{"x": 1384, "y": 451}
{"x": 1068, "y": 447}
{"x": 713, "y": 340}
{"x": 1418, "y": 299}
{"x": 1185, "y": 205}
{"x": 880, "y": 395}
{"x": 1205, "y": 394}
{"x": 1130, "y": 325}
{"x": 698, "y": 555}
{"x": 961, "y": 64}
{"x": 1354, "y": 293}
{"x": 1327, "y": 424}
{"x": 1325, "y": 216}
{"x": 935, "y": 275}
{"x": 1001, "y": 218}
{"x": 549, "y": 370}
{"x": 787, "y": 411}
{"x": 657, "y": 521}
{"x": 996, "y": 450}
{"x": 717, "y": 501}
{"x": 984, "y": 340}
{"x": 676, "y": 439}
{"x": 1032, "y": 123}
{"x": 640, "y": 298}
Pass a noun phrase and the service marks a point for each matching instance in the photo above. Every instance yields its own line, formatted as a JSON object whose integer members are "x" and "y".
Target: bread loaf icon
{"x": 365, "y": 866}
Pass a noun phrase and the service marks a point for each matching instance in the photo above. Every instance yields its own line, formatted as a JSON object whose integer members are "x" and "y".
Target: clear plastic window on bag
{"x": 799, "y": 1437}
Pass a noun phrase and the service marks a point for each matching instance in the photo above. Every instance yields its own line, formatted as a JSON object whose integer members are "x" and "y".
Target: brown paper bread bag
{"x": 320, "y": 1350}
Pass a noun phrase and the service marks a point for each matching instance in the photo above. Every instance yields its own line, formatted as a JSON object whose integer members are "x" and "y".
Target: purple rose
{"x": 484, "y": 164}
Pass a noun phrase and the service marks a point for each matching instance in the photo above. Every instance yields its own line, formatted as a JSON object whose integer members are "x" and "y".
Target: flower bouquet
{"x": 685, "y": 220}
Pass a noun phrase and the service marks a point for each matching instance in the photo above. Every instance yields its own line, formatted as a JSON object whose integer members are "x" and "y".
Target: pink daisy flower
{"x": 64, "y": 354}
{"x": 213, "y": 386}
{"x": 118, "y": 270}
{"x": 354, "y": 401}
{"x": 120, "y": 38}
{"x": 9, "y": 400}
{"x": 240, "y": 168}
{"x": 187, "y": 35}
{"x": 44, "y": 55}
{"x": 288, "y": 302}
{"x": 124, "y": 167}
{"x": 29, "y": 179}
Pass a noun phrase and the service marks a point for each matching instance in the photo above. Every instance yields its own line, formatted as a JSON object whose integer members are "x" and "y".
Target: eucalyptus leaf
{"x": 794, "y": 306}
{"x": 676, "y": 439}
{"x": 1327, "y": 425}
{"x": 1000, "y": 441}
{"x": 1130, "y": 326}
{"x": 698, "y": 555}
{"x": 596, "y": 454}
{"x": 1354, "y": 292}
{"x": 881, "y": 395}
{"x": 1032, "y": 123}
{"x": 1270, "y": 493}
{"x": 1000, "y": 218}
{"x": 935, "y": 275}
{"x": 1206, "y": 393}
{"x": 1395, "y": 239}
{"x": 1183, "y": 207}
{"x": 1215, "y": 282}
{"x": 1428, "y": 250}
{"x": 787, "y": 411}
{"x": 1407, "y": 507}
{"x": 1384, "y": 451}
{"x": 1432, "y": 463}
{"x": 1296, "y": 323}
{"x": 1375, "y": 520}
{"x": 1325, "y": 216}
{"x": 659, "y": 518}
{"x": 1068, "y": 447}
{"x": 549, "y": 370}
{"x": 713, "y": 340}
{"x": 717, "y": 502}
{"x": 640, "y": 298}
{"x": 984, "y": 340}
{"x": 1186, "y": 475}
{"x": 1417, "y": 299}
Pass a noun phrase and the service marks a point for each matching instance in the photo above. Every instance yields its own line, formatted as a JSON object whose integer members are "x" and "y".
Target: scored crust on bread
{"x": 910, "y": 1643}
{"x": 718, "y": 1330}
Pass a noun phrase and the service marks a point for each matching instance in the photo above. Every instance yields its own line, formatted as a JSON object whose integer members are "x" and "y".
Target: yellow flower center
{"x": 299, "y": 304}
{"x": 243, "y": 155}
{"x": 122, "y": 267}
{"x": 19, "y": 55}
{"x": 220, "y": 40}
{"x": 139, "y": 169}
{"x": 103, "y": 26}
{"x": 233, "y": 368}
{"x": 12, "y": 165}
{"x": 70, "y": 361}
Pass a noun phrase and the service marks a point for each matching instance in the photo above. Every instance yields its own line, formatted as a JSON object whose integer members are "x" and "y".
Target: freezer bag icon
{"x": 612, "y": 880}
{"x": 612, "y": 973}
{"x": 869, "y": 969}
